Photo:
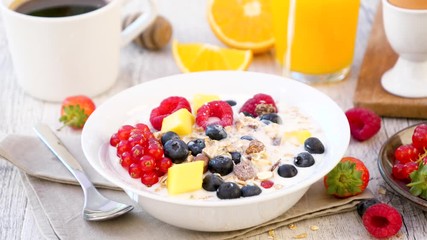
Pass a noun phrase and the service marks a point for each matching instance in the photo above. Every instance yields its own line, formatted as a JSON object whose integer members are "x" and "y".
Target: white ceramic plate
{"x": 137, "y": 102}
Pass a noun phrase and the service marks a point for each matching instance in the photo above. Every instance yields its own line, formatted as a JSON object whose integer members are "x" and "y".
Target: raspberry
{"x": 363, "y": 123}
{"x": 259, "y": 104}
{"x": 419, "y": 137}
{"x": 215, "y": 109}
{"x": 382, "y": 220}
{"x": 166, "y": 107}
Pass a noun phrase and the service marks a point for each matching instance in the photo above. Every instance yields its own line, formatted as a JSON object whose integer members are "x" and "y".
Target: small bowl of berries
{"x": 403, "y": 164}
{"x": 216, "y": 151}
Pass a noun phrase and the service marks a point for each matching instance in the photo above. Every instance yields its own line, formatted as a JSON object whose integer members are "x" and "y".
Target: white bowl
{"x": 221, "y": 215}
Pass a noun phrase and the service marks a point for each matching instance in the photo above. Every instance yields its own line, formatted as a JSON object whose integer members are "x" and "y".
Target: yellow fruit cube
{"x": 200, "y": 99}
{"x": 299, "y": 135}
{"x": 185, "y": 177}
{"x": 181, "y": 122}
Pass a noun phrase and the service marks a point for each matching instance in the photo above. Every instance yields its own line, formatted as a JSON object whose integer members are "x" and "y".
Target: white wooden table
{"x": 19, "y": 112}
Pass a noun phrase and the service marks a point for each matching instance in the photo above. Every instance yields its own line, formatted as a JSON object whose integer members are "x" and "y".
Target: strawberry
{"x": 75, "y": 110}
{"x": 349, "y": 177}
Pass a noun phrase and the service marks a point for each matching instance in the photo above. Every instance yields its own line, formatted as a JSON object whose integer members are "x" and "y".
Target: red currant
{"x": 124, "y": 132}
{"x": 149, "y": 178}
{"x": 419, "y": 137}
{"x": 267, "y": 184}
{"x": 406, "y": 153}
{"x": 164, "y": 164}
{"x": 123, "y": 146}
{"x": 402, "y": 171}
{"x": 147, "y": 163}
{"x": 114, "y": 140}
{"x": 126, "y": 159}
{"x": 135, "y": 170}
{"x": 155, "y": 148}
{"x": 137, "y": 139}
{"x": 137, "y": 151}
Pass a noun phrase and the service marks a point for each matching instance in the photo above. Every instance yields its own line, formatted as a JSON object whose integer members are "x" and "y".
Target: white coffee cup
{"x": 56, "y": 57}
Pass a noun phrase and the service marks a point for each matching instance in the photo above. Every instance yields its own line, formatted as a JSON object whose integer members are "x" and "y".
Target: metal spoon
{"x": 96, "y": 206}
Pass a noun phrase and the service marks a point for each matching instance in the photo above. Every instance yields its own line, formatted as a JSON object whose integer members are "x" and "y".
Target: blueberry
{"x": 176, "y": 150}
{"x": 304, "y": 159}
{"x": 287, "y": 170}
{"x": 211, "y": 182}
{"x": 250, "y": 190}
{"x": 215, "y": 132}
{"x": 314, "y": 145}
{"x": 236, "y": 156}
{"x": 231, "y": 102}
{"x": 228, "y": 190}
{"x": 272, "y": 117}
{"x": 168, "y": 136}
{"x": 247, "y": 137}
{"x": 248, "y": 114}
{"x": 221, "y": 164}
{"x": 196, "y": 146}
{"x": 365, "y": 204}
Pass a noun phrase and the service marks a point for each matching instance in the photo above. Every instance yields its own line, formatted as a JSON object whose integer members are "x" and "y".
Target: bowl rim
{"x": 307, "y": 182}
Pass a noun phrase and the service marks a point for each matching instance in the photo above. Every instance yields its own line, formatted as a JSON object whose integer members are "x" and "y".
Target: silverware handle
{"x": 57, "y": 147}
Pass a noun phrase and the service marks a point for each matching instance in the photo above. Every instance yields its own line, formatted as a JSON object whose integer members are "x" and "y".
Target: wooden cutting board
{"x": 380, "y": 57}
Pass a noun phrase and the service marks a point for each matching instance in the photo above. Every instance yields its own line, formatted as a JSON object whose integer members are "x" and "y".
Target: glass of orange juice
{"x": 315, "y": 39}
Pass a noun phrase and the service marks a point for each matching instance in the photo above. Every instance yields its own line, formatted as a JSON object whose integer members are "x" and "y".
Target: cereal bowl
{"x": 134, "y": 105}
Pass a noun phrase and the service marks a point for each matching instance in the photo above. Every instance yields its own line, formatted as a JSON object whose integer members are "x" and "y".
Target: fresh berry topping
{"x": 258, "y": 105}
{"x": 168, "y": 136}
{"x": 166, "y": 107}
{"x": 164, "y": 164}
{"x": 211, "y": 182}
{"x": 228, "y": 190}
{"x": 250, "y": 190}
{"x": 348, "y": 178}
{"x": 114, "y": 140}
{"x": 176, "y": 150}
{"x": 402, "y": 171}
{"x": 236, "y": 157}
{"x": 215, "y": 132}
{"x": 124, "y": 132}
{"x": 382, "y": 220}
{"x": 149, "y": 178}
{"x": 134, "y": 170}
{"x": 218, "y": 112}
{"x": 147, "y": 163}
{"x": 196, "y": 146}
{"x": 304, "y": 159}
{"x": 364, "y": 123}
{"x": 314, "y": 145}
{"x": 365, "y": 204}
{"x": 126, "y": 159}
{"x": 221, "y": 164}
{"x": 287, "y": 170}
{"x": 271, "y": 117}
{"x": 406, "y": 153}
{"x": 418, "y": 185}
{"x": 75, "y": 111}
{"x": 155, "y": 148}
{"x": 419, "y": 137}
{"x": 267, "y": 184}
{"x": 231, "y": 102}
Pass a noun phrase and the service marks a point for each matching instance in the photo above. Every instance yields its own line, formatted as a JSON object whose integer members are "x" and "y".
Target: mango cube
{"x": 185, "y": 177}
{"x": 181, "y": 122}
{"x": 200, "y": 99}
{"x": 299, "y": 135}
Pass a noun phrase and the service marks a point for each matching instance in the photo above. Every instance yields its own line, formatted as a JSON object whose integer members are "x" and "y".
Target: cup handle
{"x": 141, "y": 23}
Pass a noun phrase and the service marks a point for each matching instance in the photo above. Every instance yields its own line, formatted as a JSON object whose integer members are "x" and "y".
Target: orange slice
{"x": 194, "y": 57}
{"x": 242, "y": 24}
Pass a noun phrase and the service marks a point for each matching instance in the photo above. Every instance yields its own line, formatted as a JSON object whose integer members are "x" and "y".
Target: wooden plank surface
{"x": 19, "y": 112}
{"x": 369, "y": 93}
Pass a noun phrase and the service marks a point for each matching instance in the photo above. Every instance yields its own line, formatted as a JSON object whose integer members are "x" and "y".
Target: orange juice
{"x": 315, "y": 36}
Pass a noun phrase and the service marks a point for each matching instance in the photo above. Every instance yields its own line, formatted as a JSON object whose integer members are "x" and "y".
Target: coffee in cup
{"x": 410, "y": 4}
{"x": 56, "y": 8}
